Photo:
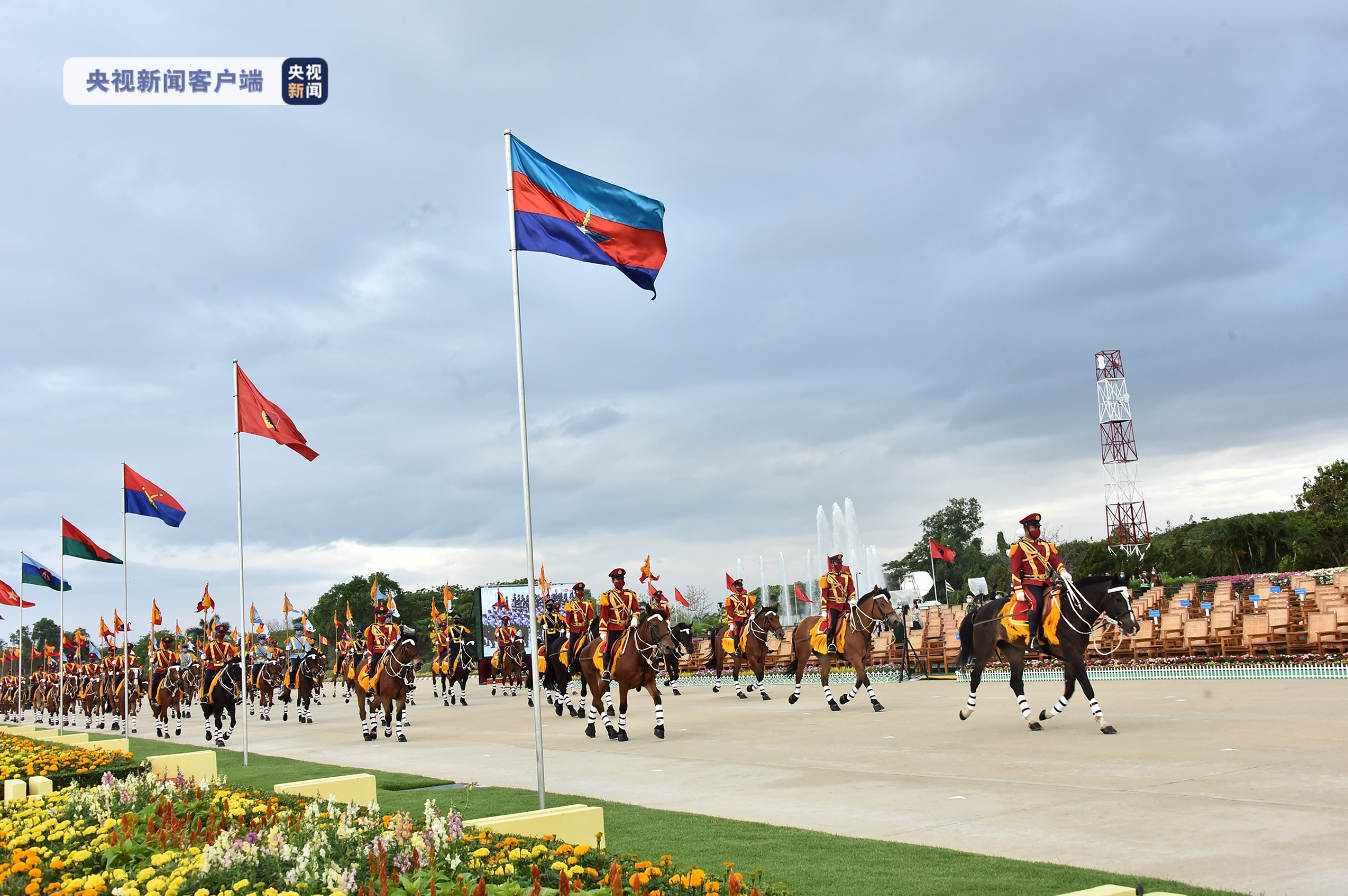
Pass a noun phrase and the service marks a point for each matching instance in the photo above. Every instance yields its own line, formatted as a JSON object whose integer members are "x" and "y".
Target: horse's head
{"x": 407, "y": 651}
{"x": 767, "y": 618}
{"x": 683, "y": 633}
{"x": 657, "y": 629}
{"x": 1119, "y": 605}
{"x": 881, "y": 608}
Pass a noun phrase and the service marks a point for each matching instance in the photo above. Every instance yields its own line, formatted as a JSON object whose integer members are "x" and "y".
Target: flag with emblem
{"x": 206, "y": 603}
{"x": 155, "y": 618}
{"x": 800, "y": 595}
{"x": 103, "y": 631}
{"x": 34, "y": 573}
{"x": 117, "y": 624}
{"x": 646, "y": 571}
{"x": 349, "y": 620}
{"x": 563, "y": 212}
{"x": 10, "y": 598}
{"x": 941, "y": 552}
{"x": 255, "y": 415}
{"x": 253, "y": 616}
{"x": 286, "y": 606}
{"x": 142, "y": 497}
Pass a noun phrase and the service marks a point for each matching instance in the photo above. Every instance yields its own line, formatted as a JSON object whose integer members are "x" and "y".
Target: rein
{"x": 873, "y": 622}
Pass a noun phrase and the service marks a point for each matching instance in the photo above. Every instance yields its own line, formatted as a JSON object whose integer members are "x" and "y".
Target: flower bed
{"x": 148, "y": 836}
{"x": 21, "y": 757}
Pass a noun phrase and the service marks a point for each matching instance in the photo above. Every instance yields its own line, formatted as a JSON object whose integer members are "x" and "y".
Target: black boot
{"x": 1034, "y": 629}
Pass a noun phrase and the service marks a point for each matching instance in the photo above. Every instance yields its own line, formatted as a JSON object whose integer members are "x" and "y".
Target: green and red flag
{"x": 75, "y": 543}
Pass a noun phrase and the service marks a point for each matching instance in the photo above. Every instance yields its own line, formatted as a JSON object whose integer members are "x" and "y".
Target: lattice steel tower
{"x": 1125, "y": 511}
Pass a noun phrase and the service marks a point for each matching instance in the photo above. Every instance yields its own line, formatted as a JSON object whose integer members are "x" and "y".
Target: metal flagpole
{"x": 126, "y": 625}
{"x": 22, "y": 711}
{"x": 238, "y": 491}
{"x": 61, "y": 641}
{"x": 524, "y": 457}
{"x": 934, "y": 596}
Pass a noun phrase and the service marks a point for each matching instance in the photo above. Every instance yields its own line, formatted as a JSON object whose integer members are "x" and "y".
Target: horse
{"x": 981, "y": 634}
{"x": 633, "y": 669}
{"x": 308, "y": 678}
{"x": 683, "y": 636}
{"x": 221, "y": 695}
{"x": 512, "y": 669}
{"x": 166, "y": 696}
{"x": 463, "y": 664}
{"x": 266, "y": 679}
{"x": 864, "y": 619}
{"x": 339, "y": 674}
{"x": 396, "y": 676}
{"x": 559, "y": 675}
{"x": 760, "y": 626}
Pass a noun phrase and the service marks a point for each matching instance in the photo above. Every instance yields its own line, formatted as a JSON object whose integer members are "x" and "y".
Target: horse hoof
{"x": 1109, "y": 729}
{"x": 741, "y": 695}
{"x": 493, "y": 692}
{"x": 834, "y": 706}
{"x": 716, "y": 689}
{"x": 1043, "y": 715}
{"x": 402, "y": 738}
{"x": 964, "y": 716}
{"x": 612, "y": 734}
{"x": 208, "y": 737}
{"x": 660, "y": 731}
{"x": 589, "y": 730}
{"x": 875, "y": 705}
{"x": 622, "y": 735}
{"x": 574, "y": 714}
{"x": 1035, "y": 726}
{"x": 531, "y": 701}
{"x": 751, "y": 689}
{"x": 347, "y": 700}
{"x": 674, "y": 691}
{"x": 219, "y": 742}
{"x": 764, "y": 695}
{"x": 792, "y": 699}
{"x": 558, "y": 706}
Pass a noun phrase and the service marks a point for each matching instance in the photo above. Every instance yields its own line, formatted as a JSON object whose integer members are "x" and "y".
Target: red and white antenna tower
{"x": 1125, "y": 511}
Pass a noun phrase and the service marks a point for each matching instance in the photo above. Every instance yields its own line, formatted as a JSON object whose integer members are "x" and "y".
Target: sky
{"x": 897, "y": 235}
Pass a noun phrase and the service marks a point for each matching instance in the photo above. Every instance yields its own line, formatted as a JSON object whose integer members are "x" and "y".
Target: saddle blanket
{"x": 727, "y": 646}
{"x": 617, "y": 652}
{"x": 367, "y": 682}
{"x": 1015, "y": 617}
{"x": 819, "y": 636}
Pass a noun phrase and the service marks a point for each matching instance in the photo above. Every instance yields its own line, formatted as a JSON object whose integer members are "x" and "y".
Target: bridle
{"x": 401, "y": 669}
{"x": 1076, "y": 600}
{"x": 765, "y": 631}
{"x": 872, "y": 622}
{"x": 649, "y": 650}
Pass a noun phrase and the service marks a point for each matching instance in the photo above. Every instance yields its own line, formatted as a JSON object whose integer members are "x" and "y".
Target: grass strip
{"x": 810, "y": 863}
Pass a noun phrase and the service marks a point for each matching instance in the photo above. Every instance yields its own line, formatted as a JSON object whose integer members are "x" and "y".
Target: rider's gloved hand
{"x": 1066, "y": 576}
{"x": 634, "y": 622}
{"x": 1020, "y": 595}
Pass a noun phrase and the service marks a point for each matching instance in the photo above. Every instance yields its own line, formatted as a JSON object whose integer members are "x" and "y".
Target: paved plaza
{"x": 1234, "y": 784}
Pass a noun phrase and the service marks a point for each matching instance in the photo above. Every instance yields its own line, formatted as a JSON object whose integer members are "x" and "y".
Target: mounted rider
{"x": 579, "y": 614}
{"x": 619, "y": 609}
{"x": 1033, "y": 562}
{"x": 381, "y": 635}
{"x": 504, "y": 635}
{"x": 551, "y": 623}
{"x": 739, "y": 606}
{"x": 164, "y": 659}
{"x": 298, "y": 646}
{"x": 658, "y": 603}
{"x": 215, "y": 655}
{"x": 837, "y": 591}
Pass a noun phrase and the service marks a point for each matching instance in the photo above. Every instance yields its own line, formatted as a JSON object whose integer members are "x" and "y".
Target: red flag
{"x": 800, "y": 595}
{"x": 680, "y": 598}
{"x": 258, "y": 416}
{"x": 650, "y": 588}
{"x": 206, "y": 602}
{"x": 729, "y": 583}
{"x": 941, "y": 552}
{"x": 10, "y": 599}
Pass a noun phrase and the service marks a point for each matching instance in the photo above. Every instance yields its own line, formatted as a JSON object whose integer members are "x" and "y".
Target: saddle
{"x": 727, "y": 646}
{"x": 367, "y": 682}
{"x": 819, "y": 635}
{"x": 617, "y": 652}
{"x": 1015, "y": 619}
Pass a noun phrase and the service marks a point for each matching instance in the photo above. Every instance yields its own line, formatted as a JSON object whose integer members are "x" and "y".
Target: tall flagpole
{"x": 126, "y": 624}
{"x": 22, "y": 710}
{"x": 524, "y": 457}
{"x": 61, "y": 641}
{"x": 238, "y": 491}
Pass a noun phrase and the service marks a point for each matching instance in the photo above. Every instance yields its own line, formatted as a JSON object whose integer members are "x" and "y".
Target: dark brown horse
{"x": 397, "y": 675}
{"x": 760, "y": 626}
{"x": 864, "y": 620}
{"x": 512, "y": 669}
{"x": 637, "y": 667}
{"x": 982, "y": 634}
{"x": 165, "y": 697}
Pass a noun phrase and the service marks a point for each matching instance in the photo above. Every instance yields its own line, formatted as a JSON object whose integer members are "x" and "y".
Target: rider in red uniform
{"x": 1033, "y": 562}
{"x": 739, "y": 606}
{"x": 618, "y": 610}
{"x": 379, "y": 637}
{"x": 579, "y": 613}
{"x": 837, "y": 589}
{"x": 659, "y": 603}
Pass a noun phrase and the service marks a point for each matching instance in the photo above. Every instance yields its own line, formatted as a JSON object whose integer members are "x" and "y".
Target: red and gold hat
{"x": 1031, "y": 520}
{"x": 833, "y": 557}
{"x": 618, "y": 573}
{"x": 579, "y": 587}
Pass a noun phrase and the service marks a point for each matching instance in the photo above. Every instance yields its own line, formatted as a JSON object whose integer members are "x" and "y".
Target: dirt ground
{"x": 1234, "y": 784}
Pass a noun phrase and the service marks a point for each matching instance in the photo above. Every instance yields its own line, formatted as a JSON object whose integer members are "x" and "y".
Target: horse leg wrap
{"x": 828, "y": 693}
{"x": 852, "y": 694}
{"x": 622, "y": 721}
{"x": 738, "y": 691}
{"x": 1096, "y": 710}
{"x": 870, "y": 691}
{"x": 1024, "y": 705}
{"x": 969, "y": 705}
{"x": 659, "y": 715}
{"x": 1058, "y": 707}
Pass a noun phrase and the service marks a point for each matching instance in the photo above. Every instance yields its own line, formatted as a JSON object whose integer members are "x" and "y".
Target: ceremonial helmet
{"x": 455, "y": 616}
{"x": 618, "y": 573}
{"x": 835, "y": 558}
{"x": 222, "y": 627}
{"x": 380, "y": 610}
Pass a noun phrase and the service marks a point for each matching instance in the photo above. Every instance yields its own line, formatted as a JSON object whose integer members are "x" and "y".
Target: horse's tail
{"x": 966, "y": 639}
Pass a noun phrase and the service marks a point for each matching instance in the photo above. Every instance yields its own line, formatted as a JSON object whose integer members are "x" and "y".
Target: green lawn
{"x": 810, "y": 863}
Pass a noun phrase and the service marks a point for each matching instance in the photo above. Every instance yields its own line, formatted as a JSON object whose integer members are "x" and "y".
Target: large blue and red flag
{"x": 147, "y": 499}
{"x": 564, "y": 212}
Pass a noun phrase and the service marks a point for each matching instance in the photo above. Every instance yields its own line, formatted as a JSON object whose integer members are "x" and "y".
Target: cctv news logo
{"x": 191, "y": 81}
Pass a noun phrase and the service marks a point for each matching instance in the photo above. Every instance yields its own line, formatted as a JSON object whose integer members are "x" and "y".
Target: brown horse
{"x": 637, "y": 667}
{"x": 864, "y": 620}
{"x": 982, "y": 635}
{"x": 760, "y": 626}
{"x": 165, "y": 696}
{"x": 511, "y": 673}
{"x": 388, "y": 699}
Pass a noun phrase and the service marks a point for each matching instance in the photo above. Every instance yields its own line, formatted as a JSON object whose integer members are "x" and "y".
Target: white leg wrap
{"x": 870, "y": 691}
{"x": 622, "y": 721}
{"x": 828, "y": 694}
{"x": 1024, "y": 706}
{"x": 796, "y": 692}
{"x": 852, "y": 693}
{"x": 1059, "y": 706}
{"x": 659, "y": 715}
{"x": 1096, "y": 710}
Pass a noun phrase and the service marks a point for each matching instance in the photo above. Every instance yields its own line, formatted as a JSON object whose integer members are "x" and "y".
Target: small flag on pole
{"x": 800, "y": 595}
{"x": 35, "y": 573}
{"x": 286, "y": 606}
{"x": 258, "y": 416}
{"x": 155, "y": 618}
{"x": 941, "y": 552}
{"x": 206, "y": 603}
{"x": 143, "y": 497}
{"x": 75, "y": 543}
{"x": 680, "y": 598}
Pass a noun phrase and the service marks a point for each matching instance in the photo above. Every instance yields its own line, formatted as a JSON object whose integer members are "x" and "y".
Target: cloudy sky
{"x": 897, "y": 235}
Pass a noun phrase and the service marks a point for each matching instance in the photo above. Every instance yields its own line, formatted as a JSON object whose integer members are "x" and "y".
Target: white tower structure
{"x": 1125, "y": 511}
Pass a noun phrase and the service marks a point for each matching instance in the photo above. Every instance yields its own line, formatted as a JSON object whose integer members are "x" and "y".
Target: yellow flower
{"x": 582, "y": 849}
{"x": 481, "y": 852}
{"x": 242, "y": 884}
{"x": 558, "y": 866}
{"x": 144, "y": 874}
